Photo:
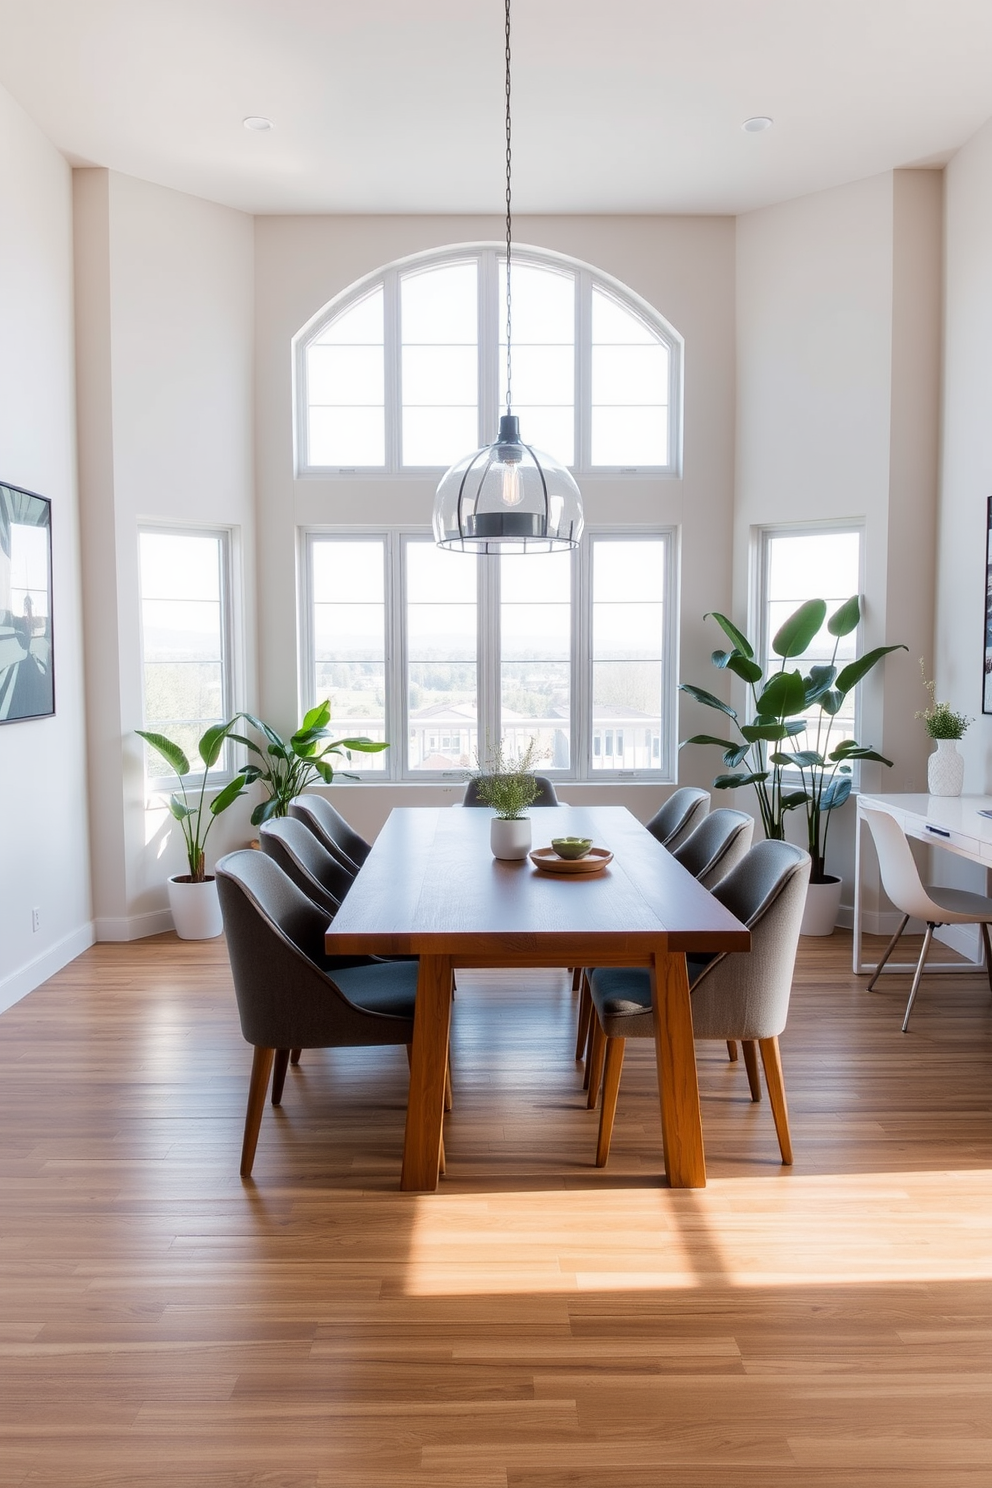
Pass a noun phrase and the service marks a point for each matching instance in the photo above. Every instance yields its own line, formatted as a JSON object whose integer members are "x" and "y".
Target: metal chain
{"x": 509, "y": 218}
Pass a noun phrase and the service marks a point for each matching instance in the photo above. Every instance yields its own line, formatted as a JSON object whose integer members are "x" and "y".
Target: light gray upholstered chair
{"x": 304, "y": 858}
{"x": 934, "y": 906}
{"x": 546, "y": 793}
{"x": 275, "y": 940}
{"x": 680, "y": 815}
{"x": 330, "y": 827}
{"x": 739, "y": 995}
{"x": 716, "y": 845}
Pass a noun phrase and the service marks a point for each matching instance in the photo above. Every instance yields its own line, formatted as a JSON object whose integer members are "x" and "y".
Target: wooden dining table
{"x": 431, "y": 888}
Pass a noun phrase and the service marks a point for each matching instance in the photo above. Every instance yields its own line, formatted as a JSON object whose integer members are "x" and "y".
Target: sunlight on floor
{"x": 853, "y": 1229}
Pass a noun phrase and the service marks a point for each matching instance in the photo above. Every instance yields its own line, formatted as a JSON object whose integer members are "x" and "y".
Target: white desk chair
{"x": 936, "y": 906}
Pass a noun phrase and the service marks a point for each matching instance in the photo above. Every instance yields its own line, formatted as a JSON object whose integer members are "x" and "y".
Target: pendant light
{"x": 508, "y": 496}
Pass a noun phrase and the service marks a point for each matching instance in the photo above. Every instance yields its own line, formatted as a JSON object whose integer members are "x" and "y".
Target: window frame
{"x": 230, "y": 671}
{"x": 488, "y": 256}
{"x": 395, "y": 539}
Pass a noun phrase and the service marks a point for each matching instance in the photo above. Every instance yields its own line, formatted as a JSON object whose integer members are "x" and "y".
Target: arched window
{"x": 405, "y": 372}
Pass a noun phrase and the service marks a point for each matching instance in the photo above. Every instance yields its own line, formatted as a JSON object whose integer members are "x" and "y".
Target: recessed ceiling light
{"x": 750, "y": 126}
{"x": 256, "y": 122}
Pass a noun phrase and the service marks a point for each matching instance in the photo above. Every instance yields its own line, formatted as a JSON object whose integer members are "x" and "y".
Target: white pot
{"x": 945, "y": 769}
{"x": 509, "y": 837}
{"x": 822, "y": 907}
{"x": 195, "y": 909}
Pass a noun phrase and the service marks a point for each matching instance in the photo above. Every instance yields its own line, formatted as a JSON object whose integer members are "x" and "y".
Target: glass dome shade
{"x": 507, "y": 496}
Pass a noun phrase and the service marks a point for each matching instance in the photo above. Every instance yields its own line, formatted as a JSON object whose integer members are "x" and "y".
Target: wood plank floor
{"x": 534, "y": 1324}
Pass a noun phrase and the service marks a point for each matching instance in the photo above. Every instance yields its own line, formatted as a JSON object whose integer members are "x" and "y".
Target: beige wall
{"x": 44, "y": 860}
{"x": 165, "y": 342}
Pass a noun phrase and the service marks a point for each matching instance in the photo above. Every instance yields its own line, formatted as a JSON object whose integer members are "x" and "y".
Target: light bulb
{"x": 512, "y": 489}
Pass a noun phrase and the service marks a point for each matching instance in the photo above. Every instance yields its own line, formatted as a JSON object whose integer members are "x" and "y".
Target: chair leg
{"x": 585, "y": 1011}
{"x": 588, "y": 1049}
{"x": 917, "y": 974}
{"x": 612, "y": 1070}
{"x": 732, "y": 1050}
{"x": 279, "y": 1068}
{"x": 751, "y": 1065}
{"x": 771, "y": 1058}
{"x": 449, "y": 1100}
{"x": 576, "y": 980}
{"x": 294, "y": 1056}
{"x": 594, "y": 1064}
{"x": 261, "y": 1068}
{"x": 988, "y": 951}
{"x": 888, "y": 952}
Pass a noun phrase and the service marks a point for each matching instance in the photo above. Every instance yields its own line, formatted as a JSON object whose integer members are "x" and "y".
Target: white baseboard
{"x": 878, "y": 923}
{"x": 20, "y": 983}
{"x": 965, "y": 939}
{"x": 133, "y": 927}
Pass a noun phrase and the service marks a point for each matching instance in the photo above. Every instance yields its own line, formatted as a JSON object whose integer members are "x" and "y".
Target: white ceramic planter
{"x": 945, "y": 769}
{"x": 195, "y": 909}
{"x": 510, "y": 837}
{"x": 822, "y": 908}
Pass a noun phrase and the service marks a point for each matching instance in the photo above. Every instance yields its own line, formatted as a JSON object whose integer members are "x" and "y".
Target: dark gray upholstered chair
{"x": 546, "y": 794}
{"x": 275, "y": 940}
{"x": 718, "y": 844}
{"x": 739, "y": 995}
{"x": 680, "y": 815}
{"x": 304, "y": 858}
{"x": 330, "y": 827}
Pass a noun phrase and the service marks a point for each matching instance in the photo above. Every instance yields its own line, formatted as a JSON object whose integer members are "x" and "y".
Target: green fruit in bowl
{"x": 571, "y": 847}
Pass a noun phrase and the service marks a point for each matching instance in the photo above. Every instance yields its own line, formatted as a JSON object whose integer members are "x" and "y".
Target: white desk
{"x": 950, "y": 822}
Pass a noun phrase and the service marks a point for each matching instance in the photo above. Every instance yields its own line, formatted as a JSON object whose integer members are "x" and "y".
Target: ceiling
{"x": 391, "y": 106}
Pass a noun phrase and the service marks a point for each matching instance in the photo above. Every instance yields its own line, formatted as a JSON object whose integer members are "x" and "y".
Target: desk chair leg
{"x": 611, "y": 1089}
{"x": 576, "y": 978}
{"x": 888, "y": 952}
{"x": 771, "y": 1058}
{"x": 585, "y": 1013}
{"x": 751, "y": 1065}
{"x": 448, "y": 1097}
{"x": 261, "y": 1068}
{"x": 917, "y": 974}
{"x": 732, "y": 1050}
{"x": 594, "y": 1064}
{"x": 294, "y": 1057}
{"x": 279, "y": 1068}
{"x": 988, "y": 951}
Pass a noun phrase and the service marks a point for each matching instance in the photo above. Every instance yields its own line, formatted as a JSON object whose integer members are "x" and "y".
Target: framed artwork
{"x": 27, "y": 681}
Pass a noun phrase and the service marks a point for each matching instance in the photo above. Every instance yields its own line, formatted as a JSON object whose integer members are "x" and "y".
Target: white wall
{"x": 44, "y": 861}
{"x": 838, "y": 327}
{"x": 165, "y": 346}
{"x": 683, "y": 266}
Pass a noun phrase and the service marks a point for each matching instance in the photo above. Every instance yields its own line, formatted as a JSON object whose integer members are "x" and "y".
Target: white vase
{"x": 509, "y": 837}
{"x": 822, "y": 907}
{"x": 945, "y": 769}
{"x": 195, "y": 909}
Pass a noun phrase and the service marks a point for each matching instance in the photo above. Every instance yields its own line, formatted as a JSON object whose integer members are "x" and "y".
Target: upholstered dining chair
{"x": 330, "y": 827}
{"x": 546, "y": 793}
{"x": 680, "y": 815}
{"x": 935, "y": 906}
{"x": 275, "y": 940}
{"x": 304, "y": 858}
{"x": 739, "y": 995}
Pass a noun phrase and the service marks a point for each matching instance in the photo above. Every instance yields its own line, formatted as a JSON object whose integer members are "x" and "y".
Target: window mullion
{"x": 488, "y": 654}
{"x": 397, "y": 691}
{"x": 583, "y": 371}
{"x": 581, "y": 762}
{"x": 488, "y": 346}
{"x": 392, "y": 351}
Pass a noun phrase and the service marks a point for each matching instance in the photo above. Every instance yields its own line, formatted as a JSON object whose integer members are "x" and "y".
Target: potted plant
{"x": 193, "y": 896}
{"x": 797, "y": 711}
{"x": 287, "y": 767}
{"x": 508, "y": 785}
{"x": 945, "y": 767}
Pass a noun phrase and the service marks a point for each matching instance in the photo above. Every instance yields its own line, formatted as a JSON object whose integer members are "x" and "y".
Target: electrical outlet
{"x": 36, "y": 920}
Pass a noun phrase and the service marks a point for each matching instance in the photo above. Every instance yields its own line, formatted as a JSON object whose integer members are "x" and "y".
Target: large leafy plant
{"x": 808, "y": 773}
{"x": 196, "y": 817}
{"x": 285, "y": 767}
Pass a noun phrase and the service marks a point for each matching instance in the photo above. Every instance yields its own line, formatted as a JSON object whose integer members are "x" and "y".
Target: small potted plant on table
{"x": 508, "y": 785}
{"x": 945, "y": 767}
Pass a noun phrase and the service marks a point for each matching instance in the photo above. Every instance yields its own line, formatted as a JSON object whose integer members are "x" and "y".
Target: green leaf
{"x": 325, "y": 770}
{"x": 251, "y": 773}
{"x": 742, "y": 667}
{"x": 302, "y": 748}
{"x": 243, "y": 739}
{"x": 264, "y": 729}
{"x": 707, "y": 699}
{"x": 265, "y": 811}
{"x": 179, "y": 809}
{"x": 318, "y": 717}
{"x": 794, "y": 726}
{"x": 784, "y": 696}
{"x": 212, "y": 742}
{"x": 731, "y": 782}
{"x": 858, "y": 751}
{"x": 232, "y": 790}
{"x": 803, "y": 759}
{"x": 279, "y": 750}
{"x": 739, "y": 639}
{"x": 364, "y": 746}
{"x": 771, "y": 733}
{"x": 170, "y": 752}
{"x": 831, "y": 702}
{"x": 733, "y": 756}
{"x": 846, "y": 619}
{"x": 709, "y": 739}
{"x": 794, "y": 637}
{"x": 819, "y": 681}
{"x": 790, "y": 800}
{"x": 855, "y": 670}
{"x": 835, "y": 794}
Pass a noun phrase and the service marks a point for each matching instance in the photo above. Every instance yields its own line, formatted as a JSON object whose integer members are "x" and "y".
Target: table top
{"x": 431, "y": 886}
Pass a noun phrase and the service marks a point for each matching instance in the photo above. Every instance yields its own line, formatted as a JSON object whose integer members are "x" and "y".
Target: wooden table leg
{"x": 681, "y": 1123}
{"x": 425, "y": 1108}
